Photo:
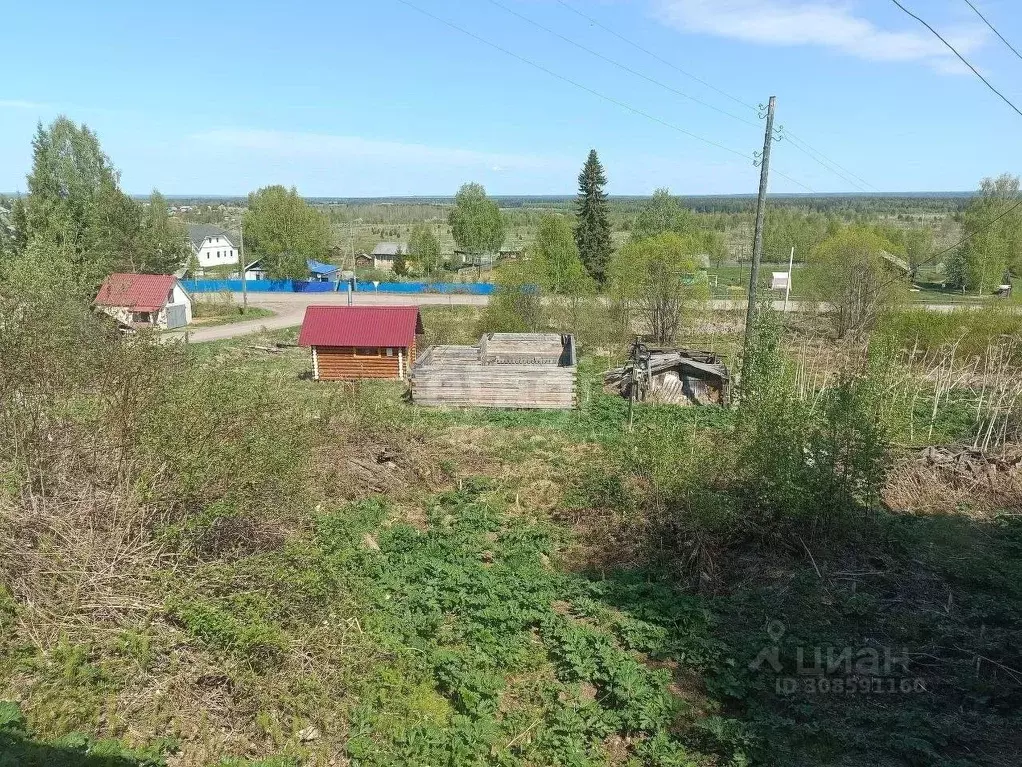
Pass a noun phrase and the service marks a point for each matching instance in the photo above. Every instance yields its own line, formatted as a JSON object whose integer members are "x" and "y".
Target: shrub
{"x": 786, "y": 459}
{"x": 968, "y": 332}
{"x": 111, "y": 450}
{"x": 517, "y": 306}
{"x": 214, "y": 305}
{"x": 805, "y": 458}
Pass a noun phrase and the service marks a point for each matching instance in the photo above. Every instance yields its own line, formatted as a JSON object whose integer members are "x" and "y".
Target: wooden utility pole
{"x": 787, "y": 285}
{"x": 757, "y": 241}
{"x": 244, "y": 281}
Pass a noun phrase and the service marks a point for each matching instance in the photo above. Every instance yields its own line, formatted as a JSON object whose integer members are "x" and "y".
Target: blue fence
{"x": 302, "y": 286}
{"x": 465, "y": 288}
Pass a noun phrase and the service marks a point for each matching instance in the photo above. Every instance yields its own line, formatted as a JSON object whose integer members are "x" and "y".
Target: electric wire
{"x": 993, "y": 29}
{"x": 651, "y": 54}
{"x": 593, "y": 92}
{"x": 964, "y": 60}
{"x": 814, "y": 154}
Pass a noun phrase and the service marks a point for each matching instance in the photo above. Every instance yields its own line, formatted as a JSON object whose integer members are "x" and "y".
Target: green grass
{"x": 252, "y": 313}
{"x": 473, "y": 648}
{"x": 528, "y": 590}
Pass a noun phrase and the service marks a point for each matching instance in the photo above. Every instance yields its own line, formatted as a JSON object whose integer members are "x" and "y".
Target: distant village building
{"x": 385, "y": 253}
{"x": 779, "y": 281}
{"x": 145, "y": 300}
{"x": 507, "y": 253}
{"x": 318, "y": 271}
{"x": 212, "y": 246}
{"x": 357, "y": 342}
{"x": 364, "y": 261}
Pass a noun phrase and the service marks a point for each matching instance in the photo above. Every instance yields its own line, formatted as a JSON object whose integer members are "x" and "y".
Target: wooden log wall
{"x": 498, "y": 386}
{"x": 339, "y": 363}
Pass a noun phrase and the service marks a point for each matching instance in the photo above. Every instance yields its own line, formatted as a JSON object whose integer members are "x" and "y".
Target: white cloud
{"x": 18, "y": 104}
{"x": 825, "y": 23}
{"x": 333, "y": 148}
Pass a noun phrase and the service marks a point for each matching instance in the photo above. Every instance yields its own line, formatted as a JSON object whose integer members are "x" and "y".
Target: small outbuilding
{"x": 358, "y": 342}
{"x": 145, "y": 301}
{"x": 779, "y": 281}
{"x": 386, "y": 253}
{"x": 505, "y": 370}
{"x": 672, "y": 377}
{"x": 318, "y": 271}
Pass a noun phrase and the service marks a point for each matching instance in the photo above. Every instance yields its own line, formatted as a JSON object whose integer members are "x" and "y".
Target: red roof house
{"x": 145, "y": 300}
{"x": 354, "y": 342}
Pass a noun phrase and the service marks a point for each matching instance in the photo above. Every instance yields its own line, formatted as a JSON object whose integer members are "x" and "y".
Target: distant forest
{"x": 840, "y": 204}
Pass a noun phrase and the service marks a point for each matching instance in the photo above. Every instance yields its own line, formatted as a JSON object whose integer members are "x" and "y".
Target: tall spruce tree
{"x": 592, "y": 232}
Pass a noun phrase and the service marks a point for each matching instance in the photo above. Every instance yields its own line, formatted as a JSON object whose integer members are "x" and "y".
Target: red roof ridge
{"x": 379, "y": 326}
{"x": 140, "y": 291}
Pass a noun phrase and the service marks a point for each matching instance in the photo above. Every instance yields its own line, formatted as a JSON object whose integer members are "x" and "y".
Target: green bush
{"x": 214, "y": 305}
{"x": 781, "y": 459}
{"x": 968, "y": 332}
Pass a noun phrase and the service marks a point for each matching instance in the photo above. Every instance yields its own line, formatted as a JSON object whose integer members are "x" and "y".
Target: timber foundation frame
{"x": 505, "y": 370}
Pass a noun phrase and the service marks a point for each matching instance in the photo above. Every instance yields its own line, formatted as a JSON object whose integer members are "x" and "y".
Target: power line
{"x": 993, "y": 28}
{"x": 795, "y": 143}
{"x": 662, "y": 60}
{"x": 960, "y": 56}
{"x": 826, "y": 162}
{"x": 663, "y": 85}
{"x": 968, "y": 237}
{"x": 587, "y": 89}
{"x": 833, "y": 162}
{"x": 621, "y": 66}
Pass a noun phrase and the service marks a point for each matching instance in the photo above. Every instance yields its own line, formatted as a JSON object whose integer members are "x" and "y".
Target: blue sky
{"x": 372, "y": 97}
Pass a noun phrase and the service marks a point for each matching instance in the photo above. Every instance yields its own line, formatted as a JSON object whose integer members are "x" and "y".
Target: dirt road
{"x": 289, "y": 309}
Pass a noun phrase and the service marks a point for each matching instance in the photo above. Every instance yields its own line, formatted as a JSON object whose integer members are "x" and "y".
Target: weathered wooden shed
{"x": 355, "y": 342}
{"x": 505, "y": 370}
{"x": 672, "y": 377}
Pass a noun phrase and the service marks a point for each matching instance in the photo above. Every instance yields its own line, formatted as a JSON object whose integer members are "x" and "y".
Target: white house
{"x": 212, "y": 246}
{"x": 145, "y": 300}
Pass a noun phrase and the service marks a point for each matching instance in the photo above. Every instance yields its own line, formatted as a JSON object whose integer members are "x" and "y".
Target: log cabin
{"x": 350, "y": 343}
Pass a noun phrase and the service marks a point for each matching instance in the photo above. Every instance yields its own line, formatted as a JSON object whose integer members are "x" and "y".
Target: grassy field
{"x": 346, "y": 578}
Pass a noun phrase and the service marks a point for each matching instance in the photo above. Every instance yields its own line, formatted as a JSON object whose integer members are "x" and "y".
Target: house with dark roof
{"x": 145, "y": 300}
{"x": 212, "y": 246}
{"x": 357, "y": 342}
{"x": 385, "y": 253}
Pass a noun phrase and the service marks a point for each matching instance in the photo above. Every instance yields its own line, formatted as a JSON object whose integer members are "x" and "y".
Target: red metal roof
{"x": 360, "y": 326}
{"x": 141, "y": 292}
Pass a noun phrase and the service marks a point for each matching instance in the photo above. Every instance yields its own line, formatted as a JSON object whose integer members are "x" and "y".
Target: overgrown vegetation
{"x": 206, "y": 558}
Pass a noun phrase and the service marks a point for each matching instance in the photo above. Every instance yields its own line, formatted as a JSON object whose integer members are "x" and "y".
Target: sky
{"x": 354, "y": 98}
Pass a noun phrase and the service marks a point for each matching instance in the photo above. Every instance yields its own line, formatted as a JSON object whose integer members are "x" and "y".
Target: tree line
{"x": 74, "y": 206}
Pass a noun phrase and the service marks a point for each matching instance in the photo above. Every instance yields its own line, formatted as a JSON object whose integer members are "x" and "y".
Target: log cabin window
{"x": 367, "y": 351}
{"x": 390, "y": 352}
